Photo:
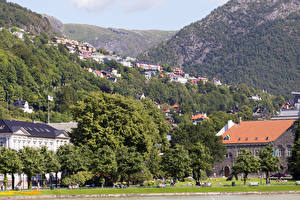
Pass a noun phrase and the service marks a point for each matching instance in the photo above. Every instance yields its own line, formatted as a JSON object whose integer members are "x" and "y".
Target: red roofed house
{"x": 255, "y": 135}
{"x": 198, "y": 118}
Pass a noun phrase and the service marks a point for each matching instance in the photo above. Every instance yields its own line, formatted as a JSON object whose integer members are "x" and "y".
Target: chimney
{"x": 240, "y": 120}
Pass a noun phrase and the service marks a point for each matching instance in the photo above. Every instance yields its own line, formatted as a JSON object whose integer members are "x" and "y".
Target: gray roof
{"x": 34, "y": 129}
{"x": 64, "y": 126}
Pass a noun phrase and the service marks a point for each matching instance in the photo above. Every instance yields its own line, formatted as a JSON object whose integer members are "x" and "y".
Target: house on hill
{"x": 23, "y": 105}
{"x": 290, "y": 113}
{"x": 253, "y": 136}
{"x": 199, "y": 117}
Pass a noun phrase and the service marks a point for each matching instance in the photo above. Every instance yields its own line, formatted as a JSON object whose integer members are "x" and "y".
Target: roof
{"x": 34, "y": 129}
{"x": 256, "y": 131}
{"x": 199, "y": 116}
{"x": 68, "y": 127}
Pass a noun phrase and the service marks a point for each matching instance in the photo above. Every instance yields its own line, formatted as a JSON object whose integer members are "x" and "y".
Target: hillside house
{"x": 149, "y": 66}
{"x": 255, "y": 135}
{"x": 199, "y": 117}
{"x": 23, "y": 105}
{"x": 291, "y": 113}
{"x": 217, "y": 82}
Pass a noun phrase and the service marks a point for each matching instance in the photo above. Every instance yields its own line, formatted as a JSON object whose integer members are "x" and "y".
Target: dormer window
{"x": 246, "y": 139}
{"x": 239, "y": 139}
{"x": 256, "y": 138}
{"x": 267, "y": 138}
{"x": 227, "y": 137}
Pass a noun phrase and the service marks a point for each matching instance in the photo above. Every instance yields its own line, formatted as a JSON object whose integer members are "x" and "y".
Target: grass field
{"x": 178, "y": 189}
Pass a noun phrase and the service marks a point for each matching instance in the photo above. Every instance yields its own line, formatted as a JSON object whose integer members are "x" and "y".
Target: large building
{"x": 17, "y": 134}
{"x": 255, "y": 135}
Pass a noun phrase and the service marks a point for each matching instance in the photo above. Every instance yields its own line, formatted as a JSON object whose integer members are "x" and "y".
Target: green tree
{"x": 153, "y": 162}
{"x": 104, "y": 163}
{"x": 79, "y": 178}
{"x": 10, "y": 163}
{"x": 294, "y": 160}
{"x": 129, "y": 162}
{"x": 189, "y": 134}
{"x": 201, "y": 160}
{"x": 268, "y": 162}
{"x": 71, "y": 159}
{"x": 246, "y": 163}
{"x": 246, "y": 113}
{"x": 116, "y": 121}
{"x": 32, "y": 162}
{"x": 50, "y": 163}
{"x": 176, "y": 163}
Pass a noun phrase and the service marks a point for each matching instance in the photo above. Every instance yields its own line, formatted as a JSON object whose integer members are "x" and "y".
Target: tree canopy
{"x": 116, "y": 121}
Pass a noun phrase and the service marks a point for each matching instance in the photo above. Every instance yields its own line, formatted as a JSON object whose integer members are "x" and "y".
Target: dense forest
{"x": 251, "y": 42}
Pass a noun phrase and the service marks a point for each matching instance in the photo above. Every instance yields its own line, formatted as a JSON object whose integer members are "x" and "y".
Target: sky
{"x": 127, "y": 14}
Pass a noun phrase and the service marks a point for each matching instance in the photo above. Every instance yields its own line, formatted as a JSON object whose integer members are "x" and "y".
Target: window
{"x": 256, "y": 153}
{"x": 227, "y": 137}
{"x": 256, "y": 138}
{"x": 289, "y": 151}
{"x": 1, "y": 144}
{"x": 246, "y": 138}
{"x": 280, "y": 152}
{"x": 239, "y": 139}
{"x": 267, "y": 138}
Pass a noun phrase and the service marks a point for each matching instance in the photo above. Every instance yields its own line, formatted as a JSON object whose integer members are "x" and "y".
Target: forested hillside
{"x": 245, "y": 41}
{"x": 12, "y": 14}
{"x": 32, "y": 68}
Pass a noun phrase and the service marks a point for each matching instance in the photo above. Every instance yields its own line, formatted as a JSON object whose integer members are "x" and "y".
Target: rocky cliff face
{"x": 242, "y": 35}
{"x": 193, "y": 43}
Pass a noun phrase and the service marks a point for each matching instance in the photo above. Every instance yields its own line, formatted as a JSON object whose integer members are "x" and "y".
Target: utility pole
{"x": 48, "y": 112}
{"x": 50, "y": 98}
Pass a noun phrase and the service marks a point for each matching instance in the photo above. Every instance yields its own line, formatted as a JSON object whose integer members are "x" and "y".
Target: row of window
{"x": 280, "y": 152}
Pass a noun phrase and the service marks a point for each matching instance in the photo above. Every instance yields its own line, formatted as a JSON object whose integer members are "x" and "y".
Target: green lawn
{"x": 191, "y": 189}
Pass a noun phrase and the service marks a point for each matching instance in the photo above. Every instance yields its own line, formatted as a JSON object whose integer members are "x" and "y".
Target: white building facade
{"x": 18, "y": 134}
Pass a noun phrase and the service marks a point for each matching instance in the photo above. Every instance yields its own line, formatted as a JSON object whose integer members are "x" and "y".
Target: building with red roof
{"x": 255, "y": 135}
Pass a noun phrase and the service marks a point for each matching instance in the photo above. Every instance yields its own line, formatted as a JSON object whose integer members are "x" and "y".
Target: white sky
{"x": 128, "y": 14}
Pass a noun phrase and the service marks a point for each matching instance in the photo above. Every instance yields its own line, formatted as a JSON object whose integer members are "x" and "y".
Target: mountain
{"x": 128, "y": 42}
{"x": 12, "y": 14}
{"x": 56, "y": 24}
{"x": 245, "y": 41}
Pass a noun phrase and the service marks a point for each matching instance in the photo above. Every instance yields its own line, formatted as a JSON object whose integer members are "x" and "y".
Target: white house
{"x": 18, "y": 134}
{"x": 217, "y": 82}
{"x": 23, "y": 105}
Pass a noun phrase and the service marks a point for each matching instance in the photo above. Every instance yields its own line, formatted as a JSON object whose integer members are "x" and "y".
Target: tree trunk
{"x": 29, "y": 182}
{"x": 267, "y": 177}
{"x": 245, "y": 178}
{"x": 12, "y": 181}
{"x": 56, "y": 178}
{"x": 44, "y": 179}
{"x": 128, "y": 180}
{"x": 5, "y": 181}
{"x": 50, "y": 178}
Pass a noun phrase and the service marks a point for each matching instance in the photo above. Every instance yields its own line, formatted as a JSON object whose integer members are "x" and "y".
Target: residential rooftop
{"x": 256, "y": 131}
